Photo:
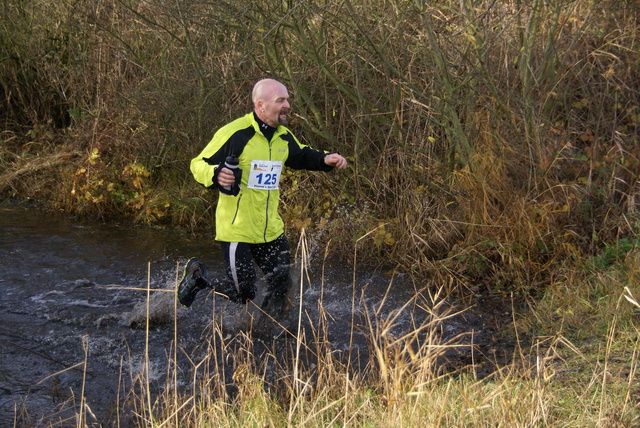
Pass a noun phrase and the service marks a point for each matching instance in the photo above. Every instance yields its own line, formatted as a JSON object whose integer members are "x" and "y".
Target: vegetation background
{"x": 493, "y": 145}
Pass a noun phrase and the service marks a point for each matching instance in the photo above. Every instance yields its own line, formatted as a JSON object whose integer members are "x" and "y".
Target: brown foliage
{"x": 484, "y": 139}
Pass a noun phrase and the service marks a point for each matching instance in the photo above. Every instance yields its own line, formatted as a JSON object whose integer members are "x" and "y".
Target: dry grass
{"x": 552, "y": 381}
{"x": 402, "y": 387}
{"x": 36, "y": 166}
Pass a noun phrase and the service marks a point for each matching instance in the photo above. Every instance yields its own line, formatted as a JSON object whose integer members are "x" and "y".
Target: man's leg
{"x": 194, "y": 279}
{"x": 274, "y": 259}
{"x": 241, "y": 284}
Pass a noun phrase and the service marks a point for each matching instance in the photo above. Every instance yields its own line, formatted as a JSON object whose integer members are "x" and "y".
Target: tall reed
{"x": 403, "y": 383}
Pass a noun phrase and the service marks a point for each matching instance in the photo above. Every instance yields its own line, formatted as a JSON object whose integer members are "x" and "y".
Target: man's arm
{"x": 304, "y": 157}
{"x": 209, "y": 164}
{"x": 203, "y": 166}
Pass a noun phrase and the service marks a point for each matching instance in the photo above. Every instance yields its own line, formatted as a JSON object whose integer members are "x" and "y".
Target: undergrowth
{"x": 493, "y": 148}
{"x": 500, "y": 138}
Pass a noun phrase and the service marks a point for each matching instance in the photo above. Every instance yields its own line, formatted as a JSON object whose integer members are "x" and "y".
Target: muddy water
{"x": 69, "y": 296}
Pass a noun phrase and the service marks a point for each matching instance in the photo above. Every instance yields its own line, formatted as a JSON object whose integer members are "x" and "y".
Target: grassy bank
{"x": 493, "y": 149}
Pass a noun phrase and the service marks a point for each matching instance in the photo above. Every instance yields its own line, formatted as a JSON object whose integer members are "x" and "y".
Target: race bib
{"x": 264, "y": 175}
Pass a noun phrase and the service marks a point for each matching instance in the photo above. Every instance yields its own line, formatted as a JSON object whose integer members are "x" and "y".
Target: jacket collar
{"x": 267, "y": 130}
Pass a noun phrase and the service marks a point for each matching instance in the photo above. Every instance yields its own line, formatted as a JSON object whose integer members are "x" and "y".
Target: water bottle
{"x": 233, "y": 164}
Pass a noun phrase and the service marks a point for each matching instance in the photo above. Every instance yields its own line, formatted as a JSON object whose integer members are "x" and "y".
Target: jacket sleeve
{"x": 304, "y": 157}
{"x": 231, "y": 138}
{"x": 205, "y": 165}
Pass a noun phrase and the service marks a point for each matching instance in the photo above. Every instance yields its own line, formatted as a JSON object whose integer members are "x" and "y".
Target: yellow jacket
{"x": 252, "y": 216}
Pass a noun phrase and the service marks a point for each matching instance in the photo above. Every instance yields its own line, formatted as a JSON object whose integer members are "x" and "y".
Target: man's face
{"x": 276, "y": 106}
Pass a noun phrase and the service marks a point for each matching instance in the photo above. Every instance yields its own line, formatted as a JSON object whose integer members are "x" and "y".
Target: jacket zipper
{"x": 266, "y": 224}
{"x": 237, "y": 209}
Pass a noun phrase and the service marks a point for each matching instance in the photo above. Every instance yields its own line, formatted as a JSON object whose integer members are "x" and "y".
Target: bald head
{"x": 271, "y": 102}
{"x": 264, "y": 87}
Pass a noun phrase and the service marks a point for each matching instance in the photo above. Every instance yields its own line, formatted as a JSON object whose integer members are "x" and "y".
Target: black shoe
{"x": 194, "y": 279}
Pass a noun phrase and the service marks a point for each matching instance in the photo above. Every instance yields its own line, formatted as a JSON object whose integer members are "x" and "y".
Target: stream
{"x": 75, "y": 292}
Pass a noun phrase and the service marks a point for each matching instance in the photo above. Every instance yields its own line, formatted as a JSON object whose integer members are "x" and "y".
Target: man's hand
{"x": 335, "y": 160}
{"x": 226, "y": 177}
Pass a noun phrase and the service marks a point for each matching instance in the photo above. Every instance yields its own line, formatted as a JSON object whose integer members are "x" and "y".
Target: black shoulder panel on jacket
{"x": 288, "y": 137}
{"x": 304, "y": 157}
{"x": 235, "y": 144}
